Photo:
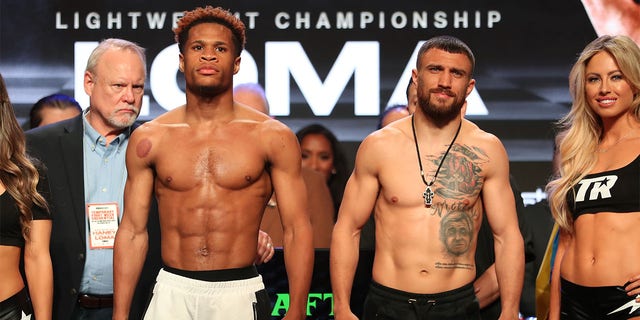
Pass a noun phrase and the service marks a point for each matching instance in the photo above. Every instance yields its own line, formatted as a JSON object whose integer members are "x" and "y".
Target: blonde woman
{"x": 24, "y": 225}
{"x": 596, "y": 199}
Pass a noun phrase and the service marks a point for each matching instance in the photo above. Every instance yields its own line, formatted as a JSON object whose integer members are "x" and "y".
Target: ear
{"x": 414, "y": 76}
{"x": 181, "y": 62}
{"x": 236, "y": 65}
{"x": 89, "y": 82}
{"x": 470, "y": 86}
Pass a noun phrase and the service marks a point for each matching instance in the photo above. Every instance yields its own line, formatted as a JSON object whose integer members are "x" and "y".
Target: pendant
{"x": 428, "y": 196}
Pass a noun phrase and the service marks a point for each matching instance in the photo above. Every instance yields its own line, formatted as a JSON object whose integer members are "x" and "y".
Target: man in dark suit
{"x": 85, "y": 158}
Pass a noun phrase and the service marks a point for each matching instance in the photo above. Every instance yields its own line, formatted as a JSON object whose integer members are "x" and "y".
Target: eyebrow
{"x": 204, "y": 42}
{"x": 461, "y": 71}
{"x": 608, "y": 73}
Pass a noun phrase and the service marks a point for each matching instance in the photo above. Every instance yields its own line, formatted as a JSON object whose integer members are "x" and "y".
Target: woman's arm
{"x": 37, "y": 265}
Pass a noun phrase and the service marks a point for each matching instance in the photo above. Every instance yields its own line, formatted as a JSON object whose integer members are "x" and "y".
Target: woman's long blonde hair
{"x": 17, "y": 173}
{"x": 581, "y": 129}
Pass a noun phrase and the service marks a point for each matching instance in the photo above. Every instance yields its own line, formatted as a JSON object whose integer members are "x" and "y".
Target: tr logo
{"x": 599, "y": 187}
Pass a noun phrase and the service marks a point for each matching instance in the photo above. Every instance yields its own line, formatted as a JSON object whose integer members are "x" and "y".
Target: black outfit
{"x": 11, "y": 235}
{"x": 59, "y": 147}
{"x": 384, "y": 303}
{"x": 15, "y": 306}
{"x": 596, "y": 303}
{"x": 608, "y": 191}
{"x": 10, "y": 227}
{"x": 485, "y": 257}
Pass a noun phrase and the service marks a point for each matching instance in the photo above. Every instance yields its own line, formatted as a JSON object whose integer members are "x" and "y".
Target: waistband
{"x": 603, "y": 291}
{"x": 21, "y": 299}
{"x": 442, "y": 297}
{"x": 195, "y": 286}
{"x": 216, "y": 275}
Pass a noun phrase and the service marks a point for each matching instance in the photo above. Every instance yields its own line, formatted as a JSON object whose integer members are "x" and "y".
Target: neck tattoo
{"x": 428, "y": 193}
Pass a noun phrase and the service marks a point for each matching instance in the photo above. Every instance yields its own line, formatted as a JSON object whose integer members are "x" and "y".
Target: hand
{"x": 633, "y": 287}
{"x": 265, "y": 248}
{"x": 486, "y": 287}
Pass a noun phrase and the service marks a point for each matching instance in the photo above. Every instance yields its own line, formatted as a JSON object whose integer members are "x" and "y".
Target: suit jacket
{"x": 59, "y": 147}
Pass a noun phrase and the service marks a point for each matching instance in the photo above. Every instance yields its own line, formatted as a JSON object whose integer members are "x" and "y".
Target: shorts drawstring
{"x": 422, "y": 307}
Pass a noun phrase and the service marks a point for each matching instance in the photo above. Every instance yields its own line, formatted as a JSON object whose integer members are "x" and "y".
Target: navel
{"x": 143, "y": 148}
{"x": 424, "y": 272}
{"x": 203, "y": 251}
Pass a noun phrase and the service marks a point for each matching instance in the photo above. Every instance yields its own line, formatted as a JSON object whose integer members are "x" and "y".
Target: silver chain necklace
{"x": 428, "y": 193}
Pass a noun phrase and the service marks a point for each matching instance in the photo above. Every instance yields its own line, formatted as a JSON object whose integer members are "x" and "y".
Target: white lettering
{"x": 59, "y": 24}
{"x": 134, "y": 19}
{"x": 356, "y": 57}
{"x": 440, "y": 20}
{"x": 323, "y": 21}
{"x": 600, "y": 186}
{"x": 419, "y": 19}
{"x": 252, "y": 15}
{"x": 366, "y": 17}
{"x": 156, "y": 20}
{"x": 114, "y": 20}
{"x": 282, "y": 20}
{"x": 93, "y": 20}
{"x": 283, "y": 61}
{"x": 460, "y": 19}
{"x": 303, "y": 20}
{"x": 174, "y": 19}
{"x": 493, "y": 17}
{"x": 604, "y": 188}
{"x": 344, "y": 20}
{"x": 399, "y": 20}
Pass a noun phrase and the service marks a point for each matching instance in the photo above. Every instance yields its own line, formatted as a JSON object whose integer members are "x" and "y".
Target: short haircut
{"x": 215, "y": 15}
{"x": 449, "y": 44}
{"x": 118, "y": 44}
{"x": 55, "y": 101}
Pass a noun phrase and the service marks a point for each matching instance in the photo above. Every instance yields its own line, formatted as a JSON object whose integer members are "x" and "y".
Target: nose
{"x": 604, "y": 87}
{"x": 128, "y": 95}
{"x": 208, "y": 55}
{"x": 313, "y": 163}
{"x": 444, "y": 81}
